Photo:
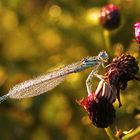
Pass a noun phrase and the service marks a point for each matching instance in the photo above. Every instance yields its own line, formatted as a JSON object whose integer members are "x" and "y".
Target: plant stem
{"x": 137, "y": 77}
{"x": 132, "y": 134}
{"x": 110, "y": 133}
{"x": 106, "y": 35}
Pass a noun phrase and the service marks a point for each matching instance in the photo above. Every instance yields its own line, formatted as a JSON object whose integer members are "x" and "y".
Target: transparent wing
{"x": 48, "y": 81}
{"x": 42, "y": 83}
{"x": 32, "y": 88}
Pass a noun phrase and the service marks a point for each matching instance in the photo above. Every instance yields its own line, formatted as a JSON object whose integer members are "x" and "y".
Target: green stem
{"x": 106, "y": 35}
{"x": 110, "y": 133}
{"x": 137, "y": 77}
{"x": 132, "y": 134}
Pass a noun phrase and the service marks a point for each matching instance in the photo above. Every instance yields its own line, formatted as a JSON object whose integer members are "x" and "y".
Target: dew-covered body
{"x": 48, "y": 81}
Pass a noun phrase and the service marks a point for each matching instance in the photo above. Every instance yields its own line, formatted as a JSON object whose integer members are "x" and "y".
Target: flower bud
{"x": 137, "y": 32}
{"x": 110, "y": 17}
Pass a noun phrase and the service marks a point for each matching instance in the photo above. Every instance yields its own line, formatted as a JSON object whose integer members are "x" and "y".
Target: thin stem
{"x": 137, "y": 77}
{"x": 106, "y": 35}
{"x": 110, "y": 133}
{"x": 132, "y": 134}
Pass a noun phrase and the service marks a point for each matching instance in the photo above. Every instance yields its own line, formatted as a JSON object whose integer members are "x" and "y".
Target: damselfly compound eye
{"x": 103, "y": 56}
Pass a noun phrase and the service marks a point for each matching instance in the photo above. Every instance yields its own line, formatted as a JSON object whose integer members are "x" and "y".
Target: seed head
{"x": 121, "y": 70}
{"x": 99, "y": 105}
{"x": 100, "y": 111}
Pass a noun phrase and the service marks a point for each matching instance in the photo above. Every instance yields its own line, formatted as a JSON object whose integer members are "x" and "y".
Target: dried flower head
{"x": 121, "y": 70}
{"x": 99, "y": 105}
{"x": 137, "y": 32}
{"x": 110, "y": 17}
{"x": 100, "y": 111}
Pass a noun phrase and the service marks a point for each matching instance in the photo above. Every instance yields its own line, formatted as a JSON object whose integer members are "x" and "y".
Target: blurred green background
{"x": 37, "y": 36}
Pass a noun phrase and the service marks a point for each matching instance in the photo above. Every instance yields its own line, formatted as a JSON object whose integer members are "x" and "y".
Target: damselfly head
{"x": 103, "y": 56}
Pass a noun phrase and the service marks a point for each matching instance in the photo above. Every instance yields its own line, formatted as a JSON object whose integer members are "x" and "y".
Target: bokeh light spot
{"x": 55, "y": 11}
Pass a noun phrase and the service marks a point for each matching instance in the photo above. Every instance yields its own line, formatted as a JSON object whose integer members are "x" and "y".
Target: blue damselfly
{"x": 48, "y": 81}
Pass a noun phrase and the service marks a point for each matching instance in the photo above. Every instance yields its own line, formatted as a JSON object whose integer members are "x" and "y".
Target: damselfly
{"x": 48, "y": 81}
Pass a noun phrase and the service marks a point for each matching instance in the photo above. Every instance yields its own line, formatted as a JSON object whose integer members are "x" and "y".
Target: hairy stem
{"x": 137, "y": 77}
{"x": 132, "y": 134}
{"x": 106, "y": 35}
{"x": 110, "y": 133}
